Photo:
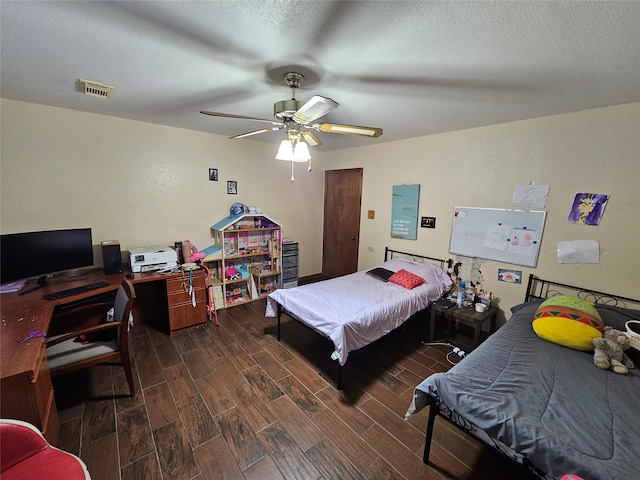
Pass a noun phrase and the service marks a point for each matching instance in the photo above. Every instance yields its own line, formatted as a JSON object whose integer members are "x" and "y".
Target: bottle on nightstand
{"x": 460, "y": 298}
{"x": 469, "y": 294}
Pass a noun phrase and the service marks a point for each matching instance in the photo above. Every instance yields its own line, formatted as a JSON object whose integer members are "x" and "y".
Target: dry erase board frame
{"x": 471, "y": 228}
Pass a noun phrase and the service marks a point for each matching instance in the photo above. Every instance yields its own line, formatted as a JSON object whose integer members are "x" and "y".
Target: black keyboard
{"x": 75, "y": 291}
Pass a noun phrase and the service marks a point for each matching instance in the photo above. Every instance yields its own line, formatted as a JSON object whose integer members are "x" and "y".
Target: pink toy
{"x": 231, "y": 273}
{"x": 195, "y": 255}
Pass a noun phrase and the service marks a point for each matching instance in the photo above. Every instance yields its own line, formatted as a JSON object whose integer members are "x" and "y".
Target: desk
{"x": 26, "y": 392}
{"x": 465, "y": 313}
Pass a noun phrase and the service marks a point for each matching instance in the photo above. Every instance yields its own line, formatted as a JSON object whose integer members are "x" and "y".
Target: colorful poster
{"x": 509, "y": 276}
{"x": 588, "y": 208}
{"x": 404, "y": 211}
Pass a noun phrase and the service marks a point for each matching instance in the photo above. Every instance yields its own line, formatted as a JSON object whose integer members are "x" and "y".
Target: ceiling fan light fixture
{"x": 301, "y": 152}
{"x": 285, "y": 152}
{"x": 289, "y": 153}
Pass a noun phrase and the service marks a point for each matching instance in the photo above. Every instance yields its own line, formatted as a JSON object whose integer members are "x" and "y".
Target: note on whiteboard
{"x": 579, "y": 251}
{"x": 460, "y": 213}
{"x": 497, "y": 236}
{"x": 522, "y": 241}
{"x": 530, "y": 195}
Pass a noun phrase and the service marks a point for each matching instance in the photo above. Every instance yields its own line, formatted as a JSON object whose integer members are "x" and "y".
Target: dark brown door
{"x": 341, "y": 234}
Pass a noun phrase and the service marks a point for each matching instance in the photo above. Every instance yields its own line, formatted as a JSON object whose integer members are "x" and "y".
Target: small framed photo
{"x": 428, "y": 222}
{"x": 213, "y": 174}
{"x": 232, "y": 187}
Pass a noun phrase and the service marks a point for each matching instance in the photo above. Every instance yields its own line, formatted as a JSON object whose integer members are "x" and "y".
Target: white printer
{"x": 148, "y": 259}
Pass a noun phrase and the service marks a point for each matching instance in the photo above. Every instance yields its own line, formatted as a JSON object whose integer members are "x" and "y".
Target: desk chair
{"x": 105, "y": 342}
{"x": 26, "y": 455}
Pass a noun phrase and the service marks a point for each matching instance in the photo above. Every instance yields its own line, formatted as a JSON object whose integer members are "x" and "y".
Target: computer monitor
{"x": 38, "y": 254}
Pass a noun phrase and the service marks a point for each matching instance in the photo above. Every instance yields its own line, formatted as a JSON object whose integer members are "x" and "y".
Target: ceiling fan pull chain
{"x": 292, "y": 177}
{"x": 309, "y": 168}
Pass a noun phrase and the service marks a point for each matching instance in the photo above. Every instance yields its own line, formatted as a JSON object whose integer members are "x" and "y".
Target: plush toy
{"x": 609, "y": 351}
{"x": 197, "y": 256}
{"x": 231, "y": 273}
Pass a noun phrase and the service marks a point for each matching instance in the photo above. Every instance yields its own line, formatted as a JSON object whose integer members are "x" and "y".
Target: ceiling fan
{"x": 298, "y": 117}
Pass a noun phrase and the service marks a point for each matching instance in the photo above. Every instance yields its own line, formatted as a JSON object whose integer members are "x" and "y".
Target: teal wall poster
{"x": 404, "y": 211}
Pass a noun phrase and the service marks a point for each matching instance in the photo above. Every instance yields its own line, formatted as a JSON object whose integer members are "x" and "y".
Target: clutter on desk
{"x": 13, "y": 287}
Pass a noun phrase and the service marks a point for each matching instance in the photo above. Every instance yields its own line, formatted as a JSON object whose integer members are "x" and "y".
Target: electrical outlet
{"x": 371, "y": 214}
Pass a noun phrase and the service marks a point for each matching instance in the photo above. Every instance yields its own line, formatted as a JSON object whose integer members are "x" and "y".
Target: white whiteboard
{"x": 509, "y": 236}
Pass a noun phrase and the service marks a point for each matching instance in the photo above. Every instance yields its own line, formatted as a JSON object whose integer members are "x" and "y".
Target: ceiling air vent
{"x": 96, "y": 89}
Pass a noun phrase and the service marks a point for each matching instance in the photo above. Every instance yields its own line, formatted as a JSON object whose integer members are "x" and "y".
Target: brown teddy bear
{"x": 609, "y": 351}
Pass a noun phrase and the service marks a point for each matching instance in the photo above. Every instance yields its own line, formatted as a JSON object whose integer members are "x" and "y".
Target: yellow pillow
{"x": 568, "y": 321}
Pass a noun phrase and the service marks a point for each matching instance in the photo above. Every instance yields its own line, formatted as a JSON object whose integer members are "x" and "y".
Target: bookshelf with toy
{"x": 246, "y": 263}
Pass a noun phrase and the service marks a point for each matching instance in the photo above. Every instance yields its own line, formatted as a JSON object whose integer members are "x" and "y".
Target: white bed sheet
{"x": 357, "y": 309}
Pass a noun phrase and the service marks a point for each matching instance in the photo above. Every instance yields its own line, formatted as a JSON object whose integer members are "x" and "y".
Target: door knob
{"x": 353, "y": 237}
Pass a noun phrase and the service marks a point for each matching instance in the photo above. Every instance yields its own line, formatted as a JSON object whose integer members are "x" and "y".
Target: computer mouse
{"x": 129, "y": 275}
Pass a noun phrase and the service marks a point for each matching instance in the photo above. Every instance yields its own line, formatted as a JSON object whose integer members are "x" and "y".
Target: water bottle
{"x": 460, "y": 299}
{"x": 469, "y": 294}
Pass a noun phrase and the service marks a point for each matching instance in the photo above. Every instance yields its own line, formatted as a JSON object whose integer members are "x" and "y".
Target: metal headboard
{"x": 389, "y": 254}
{"x": 539, "y": 289}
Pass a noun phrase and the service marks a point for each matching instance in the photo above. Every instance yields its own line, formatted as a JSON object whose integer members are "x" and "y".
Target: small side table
{"x": 465, "y": 313}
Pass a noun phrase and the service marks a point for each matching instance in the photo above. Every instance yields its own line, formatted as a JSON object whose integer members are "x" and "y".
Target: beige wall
{"x": 595, "y": 151}
{"x": 144, "y": 184}
{"x": 147, "y": 184}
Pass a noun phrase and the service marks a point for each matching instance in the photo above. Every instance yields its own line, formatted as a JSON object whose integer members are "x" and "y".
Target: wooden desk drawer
{"x": 186, "y": 316}
{"x": 182, "y": 297}
{"x": 182, "y": 313}
{"x": 176, "y": 293}
{"x": 31, "y": 399}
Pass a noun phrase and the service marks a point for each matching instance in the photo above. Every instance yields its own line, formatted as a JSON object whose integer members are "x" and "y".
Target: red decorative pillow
{"x": 406, "y": 279}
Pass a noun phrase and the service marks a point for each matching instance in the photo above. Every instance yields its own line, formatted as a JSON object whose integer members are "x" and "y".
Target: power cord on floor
{"x": 455, "y": 351}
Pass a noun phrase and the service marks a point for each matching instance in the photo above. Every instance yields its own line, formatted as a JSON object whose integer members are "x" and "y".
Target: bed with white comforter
{"x": 356, "y": 309}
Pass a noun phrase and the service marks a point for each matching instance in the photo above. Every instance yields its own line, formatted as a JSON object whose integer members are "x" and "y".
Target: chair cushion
{"x": 26, "y": 455}
{"x": 19, "y": 441}
{"x": 49, "y": 464}
{"x": 69, "y": 351}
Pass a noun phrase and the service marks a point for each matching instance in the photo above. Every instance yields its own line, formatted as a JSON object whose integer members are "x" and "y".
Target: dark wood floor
{"x": 231, "y": 402}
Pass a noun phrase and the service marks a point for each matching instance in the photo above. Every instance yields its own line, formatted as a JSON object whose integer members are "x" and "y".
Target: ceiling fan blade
{"x": 315, "y": 108}
{"x": 348, "y": 129}
{"x": 311, "y": 139}
{"x": 241, "y": 117}
{"x": 255, "y": 132}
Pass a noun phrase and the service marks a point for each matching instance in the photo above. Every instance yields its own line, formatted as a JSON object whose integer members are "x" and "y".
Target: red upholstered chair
{"x": 26, "y": 455}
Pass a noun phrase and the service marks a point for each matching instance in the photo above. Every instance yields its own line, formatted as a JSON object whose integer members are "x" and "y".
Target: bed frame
{"x": 388, "y": 255}
{"x": 537, "y": 289}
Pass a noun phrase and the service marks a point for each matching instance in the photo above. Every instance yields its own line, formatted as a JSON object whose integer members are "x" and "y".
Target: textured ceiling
{"x": 410, "y": 68}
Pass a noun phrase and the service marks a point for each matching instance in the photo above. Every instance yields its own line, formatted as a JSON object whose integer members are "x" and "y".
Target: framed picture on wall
{"x": 232, "y": 187}
{"x": 213, "y": 174}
